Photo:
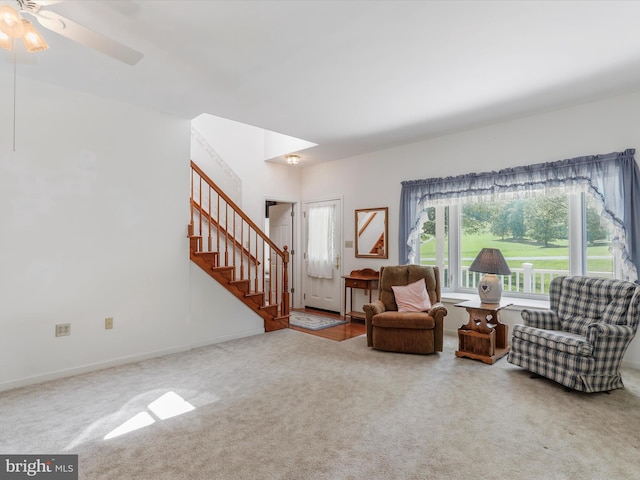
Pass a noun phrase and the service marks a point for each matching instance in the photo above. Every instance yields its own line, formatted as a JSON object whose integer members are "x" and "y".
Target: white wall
{"x": 374, "y": 180}
{"x": 93, "y": 213}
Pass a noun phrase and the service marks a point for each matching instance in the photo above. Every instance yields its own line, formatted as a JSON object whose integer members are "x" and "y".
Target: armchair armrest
{"x": 438, "y": 310}
{"x": 602, "y": 330}
{"x": 544, "y": 319}
{"x": 609, "y": 344}
{"x": 371, "y": 309}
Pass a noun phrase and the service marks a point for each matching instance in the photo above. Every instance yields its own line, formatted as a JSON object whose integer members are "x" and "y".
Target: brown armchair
{"x": 408, "y": 332}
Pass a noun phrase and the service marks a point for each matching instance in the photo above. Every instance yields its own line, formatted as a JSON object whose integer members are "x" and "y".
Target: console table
{"x": 483, "y": 338}
{"x": 365, "y": 279}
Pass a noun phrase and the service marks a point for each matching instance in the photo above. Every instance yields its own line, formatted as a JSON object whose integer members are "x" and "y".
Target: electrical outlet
{"x": 63, "y": 329}
{"x": 108, "y": 323}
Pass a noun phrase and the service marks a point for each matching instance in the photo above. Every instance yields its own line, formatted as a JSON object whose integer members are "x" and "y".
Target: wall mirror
{"x": 372, "y": 233}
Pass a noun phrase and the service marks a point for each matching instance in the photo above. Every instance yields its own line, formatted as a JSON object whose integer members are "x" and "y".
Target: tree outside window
{"x": 532, "y": 233}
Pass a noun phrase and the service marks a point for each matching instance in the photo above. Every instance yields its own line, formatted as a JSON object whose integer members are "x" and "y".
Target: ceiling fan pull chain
{"x": 14, "y": 93}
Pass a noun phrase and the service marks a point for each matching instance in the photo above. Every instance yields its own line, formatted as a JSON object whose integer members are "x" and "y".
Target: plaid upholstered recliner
{"x": 581, "y": 340}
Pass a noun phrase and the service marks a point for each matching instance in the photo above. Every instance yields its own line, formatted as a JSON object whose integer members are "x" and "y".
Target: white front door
{"x": 322, "y": 260}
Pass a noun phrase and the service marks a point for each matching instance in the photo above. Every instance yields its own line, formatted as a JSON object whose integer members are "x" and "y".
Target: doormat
{"x": 313, "y": 322}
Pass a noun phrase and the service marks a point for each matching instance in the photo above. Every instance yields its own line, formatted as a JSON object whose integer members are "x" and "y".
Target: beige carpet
{"x": 289, "y": 405}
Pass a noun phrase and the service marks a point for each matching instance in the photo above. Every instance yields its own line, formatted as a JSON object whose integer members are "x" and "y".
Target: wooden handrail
{"x": 213, "y": 221}
{"x": 239, "y": 243}
{"x": 235, "y": 207}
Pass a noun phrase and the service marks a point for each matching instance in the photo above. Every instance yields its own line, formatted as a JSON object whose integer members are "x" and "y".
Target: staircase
{"x": 226, "y": 244}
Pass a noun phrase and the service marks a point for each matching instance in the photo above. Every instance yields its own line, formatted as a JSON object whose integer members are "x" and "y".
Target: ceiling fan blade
{"x": 74, "y": 31}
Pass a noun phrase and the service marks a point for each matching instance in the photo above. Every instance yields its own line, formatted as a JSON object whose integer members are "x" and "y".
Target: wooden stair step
{"x": 276, "y": 323}
{"x": 195, "y": 242}
{"x": 256, "y": 297}
{"x": 242, "y": 285}
{"x": 270, "y": 309}
{"x": 227, "y": 272}
{"x": 210, "y": 257}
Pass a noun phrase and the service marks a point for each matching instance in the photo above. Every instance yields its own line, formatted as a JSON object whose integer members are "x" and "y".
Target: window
{"x": 535, "y": 235}
{"x": 575, "y": 216}
{"x": 434, "y": 241}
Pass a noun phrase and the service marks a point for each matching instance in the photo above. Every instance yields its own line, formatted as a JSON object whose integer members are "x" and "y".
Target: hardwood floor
{"x": 339, "y": 332}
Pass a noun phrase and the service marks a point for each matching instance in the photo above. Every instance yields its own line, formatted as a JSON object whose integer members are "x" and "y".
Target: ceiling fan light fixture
{"x": 33, "y": 41}
{"x": 10, "y": 22}
{"x": 5, "y": 41}
{"x": 293, "y": 159}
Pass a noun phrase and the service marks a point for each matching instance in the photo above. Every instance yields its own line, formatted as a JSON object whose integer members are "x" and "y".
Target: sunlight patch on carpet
{"x": 167, "y": 406}
{"x": 170, "y": 405}
{"x": 138, "y": 421}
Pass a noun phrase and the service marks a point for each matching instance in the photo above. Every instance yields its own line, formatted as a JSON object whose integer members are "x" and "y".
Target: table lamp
{"x": 490, "y": 262}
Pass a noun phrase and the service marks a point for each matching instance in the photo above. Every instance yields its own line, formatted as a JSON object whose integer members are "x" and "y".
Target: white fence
{"x": 523, "y": 280}
{"x": 527, "y": 279}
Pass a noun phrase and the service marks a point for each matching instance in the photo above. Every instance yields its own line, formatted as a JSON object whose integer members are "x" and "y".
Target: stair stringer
{"x": 225, "y": 276}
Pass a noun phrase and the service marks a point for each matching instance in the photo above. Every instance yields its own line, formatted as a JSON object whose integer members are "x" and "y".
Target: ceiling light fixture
{"x": 5, "y": 41}
{"x": 12, "y": 25}
{"x": 33, "y": 41}
{"x": 10, "y": 22}
{"x": 293, "y": 159}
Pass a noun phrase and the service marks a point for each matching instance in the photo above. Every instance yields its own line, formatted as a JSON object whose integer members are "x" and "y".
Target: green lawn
{"x": 472, "y": 244}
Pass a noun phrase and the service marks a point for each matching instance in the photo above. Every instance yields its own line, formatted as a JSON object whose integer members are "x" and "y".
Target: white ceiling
{"x": 351, "y": 76}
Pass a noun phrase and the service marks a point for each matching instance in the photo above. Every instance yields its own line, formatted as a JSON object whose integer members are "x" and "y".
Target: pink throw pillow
{"x": 412, "y": 297}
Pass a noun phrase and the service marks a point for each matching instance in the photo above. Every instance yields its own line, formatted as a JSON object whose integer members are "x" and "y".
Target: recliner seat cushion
{"x": 571, "y": 343}
{"x": 413, "y": 320}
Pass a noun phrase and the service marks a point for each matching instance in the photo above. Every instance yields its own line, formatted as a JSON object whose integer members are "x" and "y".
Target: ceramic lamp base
{"x": 490, "y": 289}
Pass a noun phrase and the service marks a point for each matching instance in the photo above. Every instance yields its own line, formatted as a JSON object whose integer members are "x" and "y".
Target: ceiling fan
{"x": 76, "y": 32}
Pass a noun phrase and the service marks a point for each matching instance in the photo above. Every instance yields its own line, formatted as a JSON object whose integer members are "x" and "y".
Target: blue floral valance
{"x": 613, "y": 179}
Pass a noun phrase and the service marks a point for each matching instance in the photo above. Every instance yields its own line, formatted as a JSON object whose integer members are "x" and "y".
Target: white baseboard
{"x": 226, "y": 338}
{"x": 23, "y": 382}
{"x": 56, "y": 375}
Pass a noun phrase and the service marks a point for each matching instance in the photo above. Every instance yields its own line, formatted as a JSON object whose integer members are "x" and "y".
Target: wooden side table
{"x": 365, "y": 279}
{"x": 483, "y": 338}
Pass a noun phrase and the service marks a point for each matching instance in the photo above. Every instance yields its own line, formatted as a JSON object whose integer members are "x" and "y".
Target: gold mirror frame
{"x": 372, "y": 233}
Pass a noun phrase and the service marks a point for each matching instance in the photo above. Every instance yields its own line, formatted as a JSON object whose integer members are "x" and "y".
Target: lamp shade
{"x": 490, "y": 260}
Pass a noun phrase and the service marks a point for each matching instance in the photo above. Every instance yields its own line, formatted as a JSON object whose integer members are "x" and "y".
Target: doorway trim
{"x": 296, "y": 264}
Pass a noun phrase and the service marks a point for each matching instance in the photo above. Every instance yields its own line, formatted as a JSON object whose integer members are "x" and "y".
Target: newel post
{"x": 285, "y": 281}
